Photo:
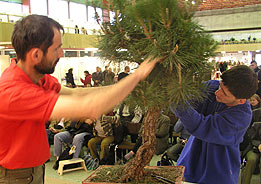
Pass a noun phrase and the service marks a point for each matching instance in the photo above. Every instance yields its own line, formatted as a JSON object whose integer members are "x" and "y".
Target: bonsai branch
{"x": 179, "y": 73}
{"x": 146, "y": 32}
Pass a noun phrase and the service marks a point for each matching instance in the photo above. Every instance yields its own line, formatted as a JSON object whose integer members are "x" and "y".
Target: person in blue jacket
{"x": 217, "y": 126}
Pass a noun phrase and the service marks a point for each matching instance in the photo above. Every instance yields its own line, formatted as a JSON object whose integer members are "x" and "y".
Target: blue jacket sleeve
{"x": 225, "y": 128}
{"x": 178, "y": 126}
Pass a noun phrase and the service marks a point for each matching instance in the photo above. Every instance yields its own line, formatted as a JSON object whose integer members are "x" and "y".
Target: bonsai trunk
{"x": 134, "y": 169}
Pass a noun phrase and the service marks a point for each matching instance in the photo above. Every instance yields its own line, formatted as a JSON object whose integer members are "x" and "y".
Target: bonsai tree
{"x": 164, "y": 29}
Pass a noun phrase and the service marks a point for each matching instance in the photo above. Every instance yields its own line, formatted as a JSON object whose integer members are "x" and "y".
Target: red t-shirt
{"x": 24, "y": 109}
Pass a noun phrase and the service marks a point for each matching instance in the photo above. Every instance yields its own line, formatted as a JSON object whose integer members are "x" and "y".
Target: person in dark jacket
{"x": 124, "y": 74}
{"x": 97, "y": 77}
{"x": 174, "y": 151}
{"x": 162, "y": 136}
{"x": 256, "y": 69}
{"x": 217, "y": 126}
{"x": 108, "y": 77}
{"x": 252, "y": 152}
{"x": 69, "y": 78}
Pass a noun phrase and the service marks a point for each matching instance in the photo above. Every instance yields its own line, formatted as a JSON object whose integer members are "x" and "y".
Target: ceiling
{"x": 223, "y": 4}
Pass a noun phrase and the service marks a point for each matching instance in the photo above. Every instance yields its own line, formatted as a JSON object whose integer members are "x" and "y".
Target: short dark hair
{"x": 33, "y": 31}
{"x": 86, "y": 72}
{"x": 241, "y": 81}
{"x": 253, "y": 62}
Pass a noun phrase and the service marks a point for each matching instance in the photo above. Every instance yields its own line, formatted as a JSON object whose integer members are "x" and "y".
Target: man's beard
{"x": 43, "y": 68}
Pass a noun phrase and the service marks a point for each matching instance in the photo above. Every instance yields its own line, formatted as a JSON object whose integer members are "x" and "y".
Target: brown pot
{"x": 173, "y": 169}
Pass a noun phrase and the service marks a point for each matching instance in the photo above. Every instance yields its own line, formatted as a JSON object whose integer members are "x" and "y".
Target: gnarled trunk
{"x": 134, "y": 169}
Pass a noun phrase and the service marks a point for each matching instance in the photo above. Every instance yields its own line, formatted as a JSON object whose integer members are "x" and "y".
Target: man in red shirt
{"x": 30, "y": 97}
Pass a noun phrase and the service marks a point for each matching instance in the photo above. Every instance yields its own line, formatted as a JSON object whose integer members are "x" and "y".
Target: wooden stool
{"x": 71, "y": 161}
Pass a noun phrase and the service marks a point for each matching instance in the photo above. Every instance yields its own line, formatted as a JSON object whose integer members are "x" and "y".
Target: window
{"x": 11, "y": 53}
{"x": 70, "y": 54}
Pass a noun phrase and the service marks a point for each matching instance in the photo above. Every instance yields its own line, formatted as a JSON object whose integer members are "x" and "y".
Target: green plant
{"x": 232, "y": 39}
{"x": 164, "y": 29}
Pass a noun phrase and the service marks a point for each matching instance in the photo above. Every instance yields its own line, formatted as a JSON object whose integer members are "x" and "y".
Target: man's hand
{"x": 146, "y": 67}
{"x": 259, "y": 148}
{"x": 53, "y": 130}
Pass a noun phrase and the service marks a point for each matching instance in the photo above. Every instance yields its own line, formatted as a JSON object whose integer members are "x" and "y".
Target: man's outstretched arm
{"x": 100, "y": 100}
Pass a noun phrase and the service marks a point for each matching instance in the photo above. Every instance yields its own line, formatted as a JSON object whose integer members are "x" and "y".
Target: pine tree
{"x": 163, "y": 29}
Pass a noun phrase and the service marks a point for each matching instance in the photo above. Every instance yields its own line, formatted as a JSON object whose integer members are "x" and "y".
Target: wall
{"x": 4, "y": 62}
{"x": 6, "y": 30}
{"x": 232, "y": 19}
{"x": 69, "y": 40}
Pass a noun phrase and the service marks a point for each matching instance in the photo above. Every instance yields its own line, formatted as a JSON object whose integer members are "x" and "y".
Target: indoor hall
{"x": 234, "y": 25}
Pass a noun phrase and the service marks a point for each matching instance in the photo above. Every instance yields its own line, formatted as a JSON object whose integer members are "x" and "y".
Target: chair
{"x": 132, "y": 129}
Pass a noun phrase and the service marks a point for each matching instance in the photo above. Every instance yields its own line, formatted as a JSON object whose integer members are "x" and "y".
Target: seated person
{"x": 255, "y": 102}
{"x": 54, "y": 128}
{"x": 130, "y": 115}
{"x": 256, "y": 117}
{"x": 124, "y": 112}
{"x": 252, "y": 152}
{"x": 174, "y": 151}
{"x": 74, "y": 135}
{"x": 248, "y": 148}
{"x": 162, "y": 136}
{"x": 103, "y": 135}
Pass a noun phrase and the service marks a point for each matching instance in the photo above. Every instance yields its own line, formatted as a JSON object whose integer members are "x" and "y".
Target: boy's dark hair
{"x": 241, "y": 81}
{"x": 86, "y": 72}
{"x": 33, "y": 31}
{"x": 253, "y": 62}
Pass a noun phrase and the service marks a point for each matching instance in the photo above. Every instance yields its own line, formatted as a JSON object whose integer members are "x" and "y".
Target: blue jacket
{"x": 212, "y": 155}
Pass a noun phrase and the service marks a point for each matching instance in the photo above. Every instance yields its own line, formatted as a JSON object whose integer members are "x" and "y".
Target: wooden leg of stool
{"x": 60, "y": 169}
{"x": 83, "y": 165}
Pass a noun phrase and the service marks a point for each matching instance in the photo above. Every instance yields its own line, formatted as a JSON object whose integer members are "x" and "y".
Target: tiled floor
{"x": 76, "y": 177}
